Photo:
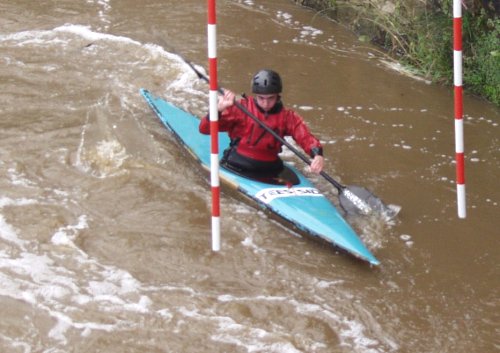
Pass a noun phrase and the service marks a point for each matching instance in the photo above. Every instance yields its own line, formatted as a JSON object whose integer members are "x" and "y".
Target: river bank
{"x": 418, "y": 33}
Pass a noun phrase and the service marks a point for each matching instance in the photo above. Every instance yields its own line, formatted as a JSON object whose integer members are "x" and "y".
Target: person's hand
{"x": 226, "y": 100}
{"x": 317, "y": 164}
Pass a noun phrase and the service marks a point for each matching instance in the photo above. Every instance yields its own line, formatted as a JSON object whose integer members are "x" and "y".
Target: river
{"x": 105, "y": 223}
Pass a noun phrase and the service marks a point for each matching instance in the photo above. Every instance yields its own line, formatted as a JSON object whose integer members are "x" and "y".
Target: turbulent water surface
{"x": 105, "y": 222}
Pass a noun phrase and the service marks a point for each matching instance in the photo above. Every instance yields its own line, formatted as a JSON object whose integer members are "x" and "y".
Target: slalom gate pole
{"x": 214, "y": 124}
{"x": 458, "y": 97}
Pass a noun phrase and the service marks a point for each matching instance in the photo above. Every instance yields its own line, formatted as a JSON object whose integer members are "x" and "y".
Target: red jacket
{"x": 254, "y": 141}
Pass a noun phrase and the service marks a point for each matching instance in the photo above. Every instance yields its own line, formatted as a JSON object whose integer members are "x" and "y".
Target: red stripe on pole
{"x": 460, "y": 168}
{"x": 214, "y": 141}
{"x": 216, "y": 201}
{"x": 459, "y": 109}
{"x": 212, "y": 63}
{"x": 457, "y": 33}
{"x": 211, "y": 12}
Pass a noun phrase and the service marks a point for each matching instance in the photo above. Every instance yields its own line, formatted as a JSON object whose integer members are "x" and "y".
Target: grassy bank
{"x": 419, "y": 34}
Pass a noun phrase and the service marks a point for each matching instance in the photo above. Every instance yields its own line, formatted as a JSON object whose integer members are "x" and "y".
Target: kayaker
{"x": 253, "y": 149}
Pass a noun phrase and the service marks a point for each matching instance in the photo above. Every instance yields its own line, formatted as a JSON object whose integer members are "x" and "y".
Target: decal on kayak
{"x": 267, "y": 195}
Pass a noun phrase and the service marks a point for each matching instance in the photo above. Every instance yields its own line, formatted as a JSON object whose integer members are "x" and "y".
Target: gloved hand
{"x": 226, "y": 100}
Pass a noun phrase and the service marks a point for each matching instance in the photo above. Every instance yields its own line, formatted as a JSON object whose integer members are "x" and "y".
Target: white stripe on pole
{"x": 212, "y": 40}
{"x": 461, "y": 200}
{"x": 457, "y": 8}
{"x": 215, "y": 233}
{"x": 459, "y": 136}
{"x": 212, "y": 101}
{"x": 457, "y": 67}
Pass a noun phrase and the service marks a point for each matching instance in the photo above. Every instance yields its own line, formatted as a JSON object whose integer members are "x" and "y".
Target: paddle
{"x": 353, "y": 199}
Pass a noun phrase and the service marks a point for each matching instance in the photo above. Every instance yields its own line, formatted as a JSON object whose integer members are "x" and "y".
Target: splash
{"x": 106, "y": 159}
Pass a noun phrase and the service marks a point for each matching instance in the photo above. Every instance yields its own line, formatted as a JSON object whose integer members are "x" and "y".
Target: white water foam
{"x": 38, "y": 276}
{"x": 44, "y": 37}
{"x": 351, "y": 332}
{"x": 58, "y": 279}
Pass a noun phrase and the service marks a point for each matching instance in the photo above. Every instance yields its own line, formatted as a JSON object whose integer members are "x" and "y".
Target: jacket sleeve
{"x": 297, "y": 128}
{"x": 227, "y": 119}
{"x": 204, "y": 126}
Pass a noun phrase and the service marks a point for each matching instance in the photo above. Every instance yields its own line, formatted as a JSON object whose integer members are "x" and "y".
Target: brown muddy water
{"x": 105, "y": 224}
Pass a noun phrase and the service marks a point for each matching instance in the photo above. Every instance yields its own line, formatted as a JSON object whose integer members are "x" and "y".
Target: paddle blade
{"x": 358, "y": 200}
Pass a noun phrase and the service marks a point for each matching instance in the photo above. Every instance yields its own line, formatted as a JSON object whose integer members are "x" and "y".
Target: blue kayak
{"x": 290, "y": 196}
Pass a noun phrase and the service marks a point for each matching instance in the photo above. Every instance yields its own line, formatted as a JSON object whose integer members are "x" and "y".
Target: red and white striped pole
{"x": 459, "y": 122}
{"x": 214, "y": 125}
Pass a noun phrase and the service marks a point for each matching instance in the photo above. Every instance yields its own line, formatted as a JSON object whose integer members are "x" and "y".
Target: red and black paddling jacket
{"x": 253, "y": 141}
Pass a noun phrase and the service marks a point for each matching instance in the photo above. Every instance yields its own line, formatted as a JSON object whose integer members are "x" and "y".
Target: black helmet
{"x": 266, "y": 82}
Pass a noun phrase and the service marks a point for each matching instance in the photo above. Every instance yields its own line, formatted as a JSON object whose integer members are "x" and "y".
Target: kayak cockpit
{"x": 285, "y": 177}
